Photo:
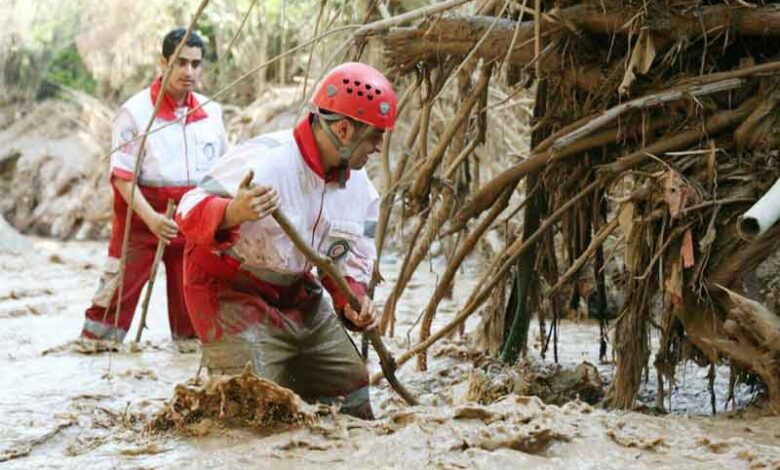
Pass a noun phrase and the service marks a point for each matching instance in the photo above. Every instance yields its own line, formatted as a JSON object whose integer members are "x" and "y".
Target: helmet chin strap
{"x": 345, "y": 150}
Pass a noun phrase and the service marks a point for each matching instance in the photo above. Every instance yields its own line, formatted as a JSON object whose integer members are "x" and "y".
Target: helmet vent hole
{"x": 360, "y": 93}
{"x": 379, "y": 92}
{"x": 357, "y": 83}
{"x": 368, "y": 87}
{"x": 349, "y": 90}
{"x": 346, "y": 81}
{"x": 370, "y": 97}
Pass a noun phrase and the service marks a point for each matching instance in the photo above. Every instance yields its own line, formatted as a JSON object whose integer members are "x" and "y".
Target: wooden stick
{"x": 537, "y": 38}
{"x": 388, "y": 196}
{"x": 387, "y": 321}
{"x": 385, "y": 24}
{"x": 385, "y": 358}
{"x": 313, "y": 46}
{"x": 153, "y": 274}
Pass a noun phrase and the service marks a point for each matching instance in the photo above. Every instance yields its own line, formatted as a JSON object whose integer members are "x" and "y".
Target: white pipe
{"x": 763, "y": 215}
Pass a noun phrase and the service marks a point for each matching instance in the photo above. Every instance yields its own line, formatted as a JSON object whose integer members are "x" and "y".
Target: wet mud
{"x": 67, "y": 403}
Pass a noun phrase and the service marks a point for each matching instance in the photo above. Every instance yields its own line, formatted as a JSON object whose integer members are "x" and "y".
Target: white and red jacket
{"x": 177, "y": 154}
{"x": 339, "y": 223}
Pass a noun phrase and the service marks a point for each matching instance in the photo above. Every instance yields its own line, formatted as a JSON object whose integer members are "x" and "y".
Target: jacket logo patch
{"x": 128, "y": 135}
{"x": 338, "y": 250}
{"x": 209, "y": 150}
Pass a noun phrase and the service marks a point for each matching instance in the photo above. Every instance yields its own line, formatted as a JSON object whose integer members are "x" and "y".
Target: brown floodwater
{"x": 65, "y": 405}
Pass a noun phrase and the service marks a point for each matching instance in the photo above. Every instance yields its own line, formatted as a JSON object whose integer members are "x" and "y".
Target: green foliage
{"x": 119, "y": 42}
{"x": 67, "y": 69}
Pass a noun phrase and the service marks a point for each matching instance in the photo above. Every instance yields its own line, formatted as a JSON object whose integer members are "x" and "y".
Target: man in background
{"x": 186, "y": 139}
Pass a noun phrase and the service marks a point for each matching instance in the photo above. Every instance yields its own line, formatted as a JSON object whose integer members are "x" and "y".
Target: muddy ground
{"x": 66, "y": 405}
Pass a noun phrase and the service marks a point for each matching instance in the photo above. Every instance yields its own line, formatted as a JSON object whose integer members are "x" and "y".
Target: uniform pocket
{"x": 108, "y": 283}
{"x": 344, "y": 233}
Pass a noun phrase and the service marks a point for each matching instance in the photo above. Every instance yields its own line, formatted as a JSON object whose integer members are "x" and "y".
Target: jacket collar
{"x": 168, "y": 105}
{"x": 307, "y": 144}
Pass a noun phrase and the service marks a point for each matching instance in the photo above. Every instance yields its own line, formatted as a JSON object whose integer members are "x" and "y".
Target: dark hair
{"x": 173, "y": 38}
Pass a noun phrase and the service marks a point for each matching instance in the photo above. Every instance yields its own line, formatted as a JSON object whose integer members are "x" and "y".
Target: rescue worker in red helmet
{"x": 175, "y": 157}
{"x": 251, "y": 294}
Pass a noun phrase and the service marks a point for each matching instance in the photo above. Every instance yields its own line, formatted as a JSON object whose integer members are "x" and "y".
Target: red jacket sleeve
{"x": 201, "y": 224}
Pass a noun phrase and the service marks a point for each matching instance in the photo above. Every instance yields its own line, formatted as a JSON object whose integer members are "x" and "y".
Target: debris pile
{"x": 654, "y": 130}
{"x": 243, "y": 400}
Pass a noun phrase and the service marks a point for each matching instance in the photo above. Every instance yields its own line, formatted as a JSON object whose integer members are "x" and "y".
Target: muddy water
{"x": 63, "y": 405}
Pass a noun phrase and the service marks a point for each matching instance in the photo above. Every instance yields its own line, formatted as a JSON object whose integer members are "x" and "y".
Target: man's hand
{"x": 250, "y": 203}
{"x": 165, "y": 228}
{"x": 159, "y": 224}
{"x": 367, "y": 318}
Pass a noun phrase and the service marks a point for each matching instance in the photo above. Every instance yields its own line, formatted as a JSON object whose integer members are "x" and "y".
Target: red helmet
{"x": 360, "y": 92}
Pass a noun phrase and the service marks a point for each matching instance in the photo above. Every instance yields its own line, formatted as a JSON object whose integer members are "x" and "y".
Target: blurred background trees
{"x": 110, "y": 48}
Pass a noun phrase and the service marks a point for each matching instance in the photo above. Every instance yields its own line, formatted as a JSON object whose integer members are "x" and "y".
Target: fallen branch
{"x": 456, "y": 36}
{"x": 486, "y": 196}
{"x": 643, "y": 102}
{"x": 597, "y": 241}
{"x": 422, "y": 183}
{"x": 481, "y": 293}
{"x": 714, "y": 124}
{"x": 444, "y": 282}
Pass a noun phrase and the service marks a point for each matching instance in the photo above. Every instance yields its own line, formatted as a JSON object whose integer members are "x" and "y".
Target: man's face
{"x": 372, "y": 143}
{"x": 185, "y": 73}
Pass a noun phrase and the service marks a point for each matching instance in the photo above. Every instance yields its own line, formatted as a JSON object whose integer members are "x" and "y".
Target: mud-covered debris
{"x": 305, "y": 443}
{"x": 152, "y": 448}
{"x": 139, "y": 374}
{"x": 243, "y": 400}
{"x": 463, "y": 350}
{"x": 24, "y": 449}
{"x": 84, "y": 346}
{"x": 717, "y": 447}
{"x": 555, "y": 385}
{"x": 479, "y": 412}
{"x": 635, "y": 438}
{"x": 520, "y": 438}
{"x": 96, "y": 346}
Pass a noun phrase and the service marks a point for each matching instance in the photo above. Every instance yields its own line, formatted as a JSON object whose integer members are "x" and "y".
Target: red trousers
{"x": 99, "y": 322}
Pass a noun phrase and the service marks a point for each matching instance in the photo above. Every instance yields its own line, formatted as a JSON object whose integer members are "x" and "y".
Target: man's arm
{"x": 356, "y": 267}
{"x": 209, "y": 215}
{"x": 162, "y": 226}
{"x": 127, "y": 144}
